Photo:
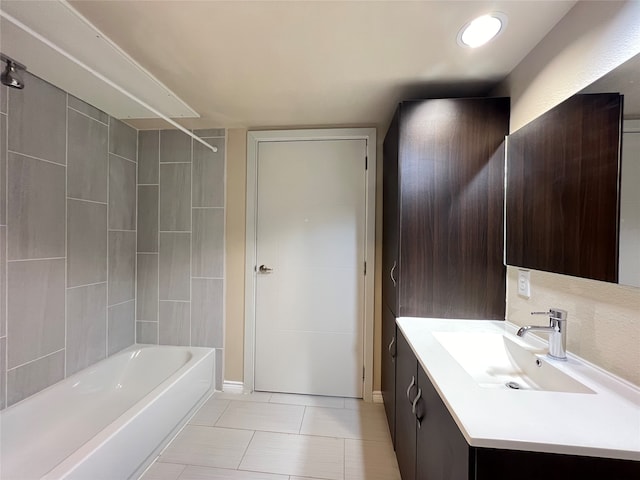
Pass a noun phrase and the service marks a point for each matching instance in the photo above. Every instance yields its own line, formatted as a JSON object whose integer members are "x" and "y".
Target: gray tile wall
{"x": 67, "y": 237}
{"x": 180, "y": 239}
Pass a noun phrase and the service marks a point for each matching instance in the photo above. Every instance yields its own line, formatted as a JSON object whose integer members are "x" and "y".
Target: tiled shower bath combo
{"x": 108, "y": 237}
{"x": 181, "y": 240}
{"x": 85, "y": 201}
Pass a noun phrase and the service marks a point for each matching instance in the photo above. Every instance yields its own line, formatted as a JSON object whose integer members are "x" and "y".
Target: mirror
{"x": 562, "y": 207}
{"x": 626, "y": 80}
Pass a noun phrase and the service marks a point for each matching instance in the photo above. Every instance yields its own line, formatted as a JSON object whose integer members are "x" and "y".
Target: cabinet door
{"x": 390, "y": 266}
{"x": 451, "y": 170}
{"x": 494, "y": 464}
{"x": 389, "y": 368}
{"x": 406, "y": 380}
{"x": 442, "y": 451}
{"x": 562, "y": 189}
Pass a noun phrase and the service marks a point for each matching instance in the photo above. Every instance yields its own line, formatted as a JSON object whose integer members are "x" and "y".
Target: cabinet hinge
{"x": 362, "y": 373}
{"x": 366, "y": 162}
{"x": 365, "y": 268}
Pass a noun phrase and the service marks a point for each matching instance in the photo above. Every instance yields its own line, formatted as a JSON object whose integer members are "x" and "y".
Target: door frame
{"x": 254, "y": 138}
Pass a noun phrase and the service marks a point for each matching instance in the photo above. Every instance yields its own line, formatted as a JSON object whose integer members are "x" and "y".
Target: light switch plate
{"x": 524, "y": 287}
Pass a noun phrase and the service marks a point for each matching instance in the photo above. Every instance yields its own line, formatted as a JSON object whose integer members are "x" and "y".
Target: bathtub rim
{"x": 66, "y": 465}
{"x": 63, "y": 469}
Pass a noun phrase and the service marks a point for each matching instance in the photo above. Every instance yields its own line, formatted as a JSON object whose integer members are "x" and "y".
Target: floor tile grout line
{"x": 224, "y": 410}
{"x": 184, "y": 467}
{"x": 304, "y": 414}
{"x": 246, "y": 449}
{"x": 344, "y": 458}
{"x": 343, "y": 439}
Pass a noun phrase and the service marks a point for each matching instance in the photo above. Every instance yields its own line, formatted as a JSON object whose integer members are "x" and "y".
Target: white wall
{"x": 591, "y": 40}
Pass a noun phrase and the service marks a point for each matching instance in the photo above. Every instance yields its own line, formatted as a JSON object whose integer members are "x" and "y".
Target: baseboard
{"x": 233, "y": 387}
{"x": 377, "y": 396}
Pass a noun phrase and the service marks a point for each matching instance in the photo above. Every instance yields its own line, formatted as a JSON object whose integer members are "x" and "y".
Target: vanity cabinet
{"x": 430, "y": 445}
{"x": 442, "y": 254}
{"x": 388, "y": 367}
{"x": 406, "y": 392}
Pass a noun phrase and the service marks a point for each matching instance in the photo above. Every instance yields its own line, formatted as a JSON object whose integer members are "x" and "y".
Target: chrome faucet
{"x": 557, "y": 332}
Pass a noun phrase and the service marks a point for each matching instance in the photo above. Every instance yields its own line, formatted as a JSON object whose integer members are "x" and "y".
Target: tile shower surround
{"x": 69, "y": 248}
{"x": 67, "y": 237}
{"x": 71, "y": 238}
{"x": 180, "y": 240}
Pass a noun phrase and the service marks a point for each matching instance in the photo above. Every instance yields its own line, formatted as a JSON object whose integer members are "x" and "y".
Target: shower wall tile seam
{"x": 106, "y": 310}
{"x": 85, "y": 115}
{"x": 35, "y": 360}
{"x": 123, "y": 158}
{"x": 158, "y": 244}
{"x": 5, "y": 294}
{"x": 35, "y": 259}
{"x": 66, "y": 231}
{"x": 135, "y": 256}
{"x": 191, "y": 250}
{"x": 35, "y": 158}
{"x": 87, "y": 285}
{"x": 120, "y": 303}
{"x": 87, "y": 201}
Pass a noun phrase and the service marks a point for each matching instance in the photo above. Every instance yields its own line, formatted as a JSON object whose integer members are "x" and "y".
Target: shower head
{"x": 10, "y": 77}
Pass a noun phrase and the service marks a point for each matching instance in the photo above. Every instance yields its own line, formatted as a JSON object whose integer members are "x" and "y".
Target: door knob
{"x": 264, "y": 269}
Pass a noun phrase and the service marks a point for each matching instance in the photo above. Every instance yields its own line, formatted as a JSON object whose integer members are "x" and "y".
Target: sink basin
{"x": 493, "y": 360}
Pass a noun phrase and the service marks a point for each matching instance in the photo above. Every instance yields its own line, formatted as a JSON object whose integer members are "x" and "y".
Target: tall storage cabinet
{"x": 443, "y": 204}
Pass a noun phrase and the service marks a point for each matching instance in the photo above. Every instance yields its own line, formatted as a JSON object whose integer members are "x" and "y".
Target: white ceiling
{"x": 315, "y": 63}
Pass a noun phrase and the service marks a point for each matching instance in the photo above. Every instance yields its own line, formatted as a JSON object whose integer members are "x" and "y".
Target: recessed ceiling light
{"x": 482, "y": 29}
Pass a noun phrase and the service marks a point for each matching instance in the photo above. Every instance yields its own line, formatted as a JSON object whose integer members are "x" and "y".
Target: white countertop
{"x": 604, "y": 424}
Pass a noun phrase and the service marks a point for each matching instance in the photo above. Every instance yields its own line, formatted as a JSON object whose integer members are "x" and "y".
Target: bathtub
{"x": 108, "y": 421}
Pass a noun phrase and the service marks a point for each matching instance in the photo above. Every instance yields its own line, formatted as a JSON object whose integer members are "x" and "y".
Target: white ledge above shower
{"x": 47, "y": 36}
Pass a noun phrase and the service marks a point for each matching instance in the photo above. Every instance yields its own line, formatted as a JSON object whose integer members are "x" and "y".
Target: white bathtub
{"x": 108, "y": 421}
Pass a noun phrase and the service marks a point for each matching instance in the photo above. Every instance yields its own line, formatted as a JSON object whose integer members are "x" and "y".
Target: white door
{"x": 310, "y": 242}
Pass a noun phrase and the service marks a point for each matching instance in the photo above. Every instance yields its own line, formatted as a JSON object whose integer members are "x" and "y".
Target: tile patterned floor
{"x": 264, "y": 436}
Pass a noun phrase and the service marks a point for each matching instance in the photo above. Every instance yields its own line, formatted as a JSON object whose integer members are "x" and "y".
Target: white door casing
{"x": 309, "y": 271}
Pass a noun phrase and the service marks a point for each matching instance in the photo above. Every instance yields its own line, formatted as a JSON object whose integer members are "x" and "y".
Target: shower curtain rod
{"x": 109, "y": 82}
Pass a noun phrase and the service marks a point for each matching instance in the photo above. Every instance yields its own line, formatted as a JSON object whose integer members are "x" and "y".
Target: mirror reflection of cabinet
{"x": 562, "y": 199}
{"x": 629, "y": 273}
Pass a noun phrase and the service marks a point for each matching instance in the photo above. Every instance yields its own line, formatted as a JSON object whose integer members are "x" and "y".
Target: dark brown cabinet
{"x": 388, "y": 367}
{"x": 406, "y": 393}
{"x": 430, "y": 446}
{"x": 443, "y": 208}
{"x": 443, "y": 178}
{"x": 563, "y": 189}
{"x": 444, "y": 455}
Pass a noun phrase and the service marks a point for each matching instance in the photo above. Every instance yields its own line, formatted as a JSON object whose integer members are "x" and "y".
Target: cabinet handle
{"x": 391, "y": 274}
{"x": 393, "y": 340}
{"x": 415, "y": 401}
{"x": 413, "y": 407}
{"x": 411, "y": 385}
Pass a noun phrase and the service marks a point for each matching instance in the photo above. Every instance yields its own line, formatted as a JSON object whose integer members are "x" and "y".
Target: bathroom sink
{"x": 494, "y": 360}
